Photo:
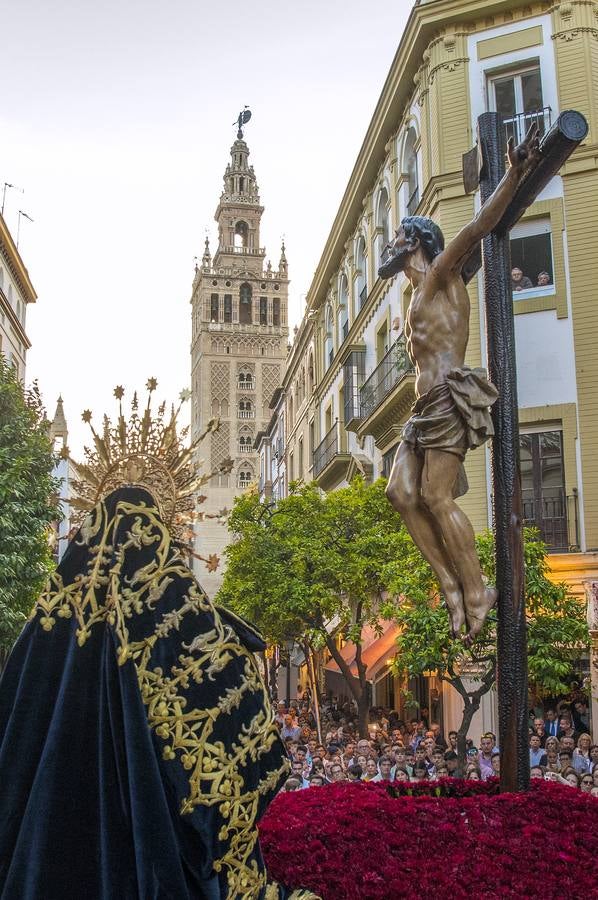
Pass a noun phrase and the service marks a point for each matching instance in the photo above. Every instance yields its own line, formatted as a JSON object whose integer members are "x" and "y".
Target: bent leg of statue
{"x": 404, "y": 492}
{"x": 437, "y": 479}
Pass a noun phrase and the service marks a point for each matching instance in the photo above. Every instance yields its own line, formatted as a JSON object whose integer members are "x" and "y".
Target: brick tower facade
{"x": 238, "y": 347}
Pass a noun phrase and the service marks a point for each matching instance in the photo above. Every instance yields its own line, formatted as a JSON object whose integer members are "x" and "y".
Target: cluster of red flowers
{"x": 357, "y": 840}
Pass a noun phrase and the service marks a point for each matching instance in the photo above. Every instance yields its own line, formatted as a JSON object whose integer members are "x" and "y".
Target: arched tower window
{"x": 245, "y": 304}
{"x": 245, "y": 381}
{"x": 245, "y": 441}
{"x": 241, "y": 234}
{"x": 246, "y": 410}
{"x": 245, "y": 476}
{"x": 310, "y": 374}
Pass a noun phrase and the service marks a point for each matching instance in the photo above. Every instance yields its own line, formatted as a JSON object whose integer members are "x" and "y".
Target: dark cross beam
{"x": 555, "y": 148}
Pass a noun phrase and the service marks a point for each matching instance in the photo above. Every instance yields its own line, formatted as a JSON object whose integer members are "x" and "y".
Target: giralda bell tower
{"x": 238, "y": 346}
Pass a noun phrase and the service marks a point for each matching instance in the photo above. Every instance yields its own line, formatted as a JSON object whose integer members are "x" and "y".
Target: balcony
{"x": 518, "y": 125}
{"x": 387, "y": 395}
{"x": 555, "y": 517}
{"x": 244, "y": 251}
{"x": 330, "y": 458}
{"x": 245, "y": 448}
{"x": 246, "y": 414}
{"x": 246, "y": 385}
{"x": 413, "y": 202}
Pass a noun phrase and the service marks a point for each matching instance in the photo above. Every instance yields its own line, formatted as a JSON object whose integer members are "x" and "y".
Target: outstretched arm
{"x": 521, "y": 158}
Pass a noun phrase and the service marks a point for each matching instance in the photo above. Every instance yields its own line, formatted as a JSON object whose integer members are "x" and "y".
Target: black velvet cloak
{"x": 137, "y": 745}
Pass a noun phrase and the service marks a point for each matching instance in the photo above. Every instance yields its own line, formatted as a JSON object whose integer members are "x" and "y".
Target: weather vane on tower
{"x": 244, "y": 117}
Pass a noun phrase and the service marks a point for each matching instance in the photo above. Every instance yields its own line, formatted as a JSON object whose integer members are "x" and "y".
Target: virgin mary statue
{"x": 137, "y": 744}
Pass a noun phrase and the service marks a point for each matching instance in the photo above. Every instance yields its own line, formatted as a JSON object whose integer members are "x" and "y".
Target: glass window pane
{"x": 531, "y": 89}
{"x": 533, "y": 257}
{"x": 504, "y": 90}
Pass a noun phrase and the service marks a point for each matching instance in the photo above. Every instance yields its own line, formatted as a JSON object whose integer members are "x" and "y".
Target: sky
{"x": 116, "y": 121}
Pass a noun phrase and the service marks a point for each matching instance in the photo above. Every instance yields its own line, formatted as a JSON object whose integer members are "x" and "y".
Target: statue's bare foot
{"x": 453, "y": 598}
{"x": 477, "y": 610}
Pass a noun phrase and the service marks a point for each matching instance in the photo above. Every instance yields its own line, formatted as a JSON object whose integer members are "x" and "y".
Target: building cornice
{"x": 15, "y": 263}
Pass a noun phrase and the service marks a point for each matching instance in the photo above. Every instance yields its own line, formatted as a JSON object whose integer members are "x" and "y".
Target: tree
{"x": 295, "y": 567}
{"x": 27, "y": 502}
{"x": 556, "y": 632}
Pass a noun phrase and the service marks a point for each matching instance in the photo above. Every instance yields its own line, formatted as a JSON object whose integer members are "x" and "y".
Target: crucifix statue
{"x": 458, "y": 408}
{"x": 452, "y": 410}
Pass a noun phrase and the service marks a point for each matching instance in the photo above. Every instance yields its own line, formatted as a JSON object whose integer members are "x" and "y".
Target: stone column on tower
{"x": 238, "y": 348}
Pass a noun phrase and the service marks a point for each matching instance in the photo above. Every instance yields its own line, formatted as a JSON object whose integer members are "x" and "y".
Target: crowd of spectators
{"x": 521, "y": 282}
{"x": 560, "y": 747}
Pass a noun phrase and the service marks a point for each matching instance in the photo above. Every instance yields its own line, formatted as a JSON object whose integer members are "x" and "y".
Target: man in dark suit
{"x": 551, "y": 724}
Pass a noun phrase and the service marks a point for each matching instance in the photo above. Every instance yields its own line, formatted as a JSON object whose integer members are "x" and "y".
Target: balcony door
{"x": 543, "y": 486}
{"x": 517, "y": 98}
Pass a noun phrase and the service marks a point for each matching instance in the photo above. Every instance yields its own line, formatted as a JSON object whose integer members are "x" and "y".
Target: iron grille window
{"x": 543, "y": 486}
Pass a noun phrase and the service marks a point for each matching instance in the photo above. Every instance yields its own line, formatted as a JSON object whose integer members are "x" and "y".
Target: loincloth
{"x": 453, "y": 416}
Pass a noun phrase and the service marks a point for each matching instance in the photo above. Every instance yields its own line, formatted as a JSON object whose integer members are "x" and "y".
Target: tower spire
{"x": 206, "y": 259}
{"x": 58, "y": 428}
{"x": 283, "y": 266}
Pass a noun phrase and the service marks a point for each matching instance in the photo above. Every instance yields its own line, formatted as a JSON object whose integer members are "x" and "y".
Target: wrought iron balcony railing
{"x": 326, "y": 450}
{"x": 555, "y": 516}
{"x": 518, "y": 125}
{"x": 389, "y": 371}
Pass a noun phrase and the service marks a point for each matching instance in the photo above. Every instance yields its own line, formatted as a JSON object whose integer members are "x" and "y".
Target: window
{"x": 382, "y": 342}
{"x": 310, "y": 375}
{"x": 228, "y": 307}
{"x": 291, "y": 467}
{"x": 245, "y": 443}
{"x": 245, "y": 477}
{"x": 312, "y": 437}
{"x": 328, "y": 340}
{"x": 214, "y": 308}
{"x": 543, "y": 486}
{"x": 353, "y": 378}
{"x": 246, "y": 410}
{"x": 409, "y": 170}
{"x": 245, "y": 304}
{"x": 276, "y": 311}
{"x": 245, "y": 381}
{"x": 387, "y": 461}
{"x": 532, "y": 264}
{"x": 361, "y": 285}
{"x": 300, "y": 459}
{"x": 241, "y": 234}
{"x": 517, "y": 98}
{"x": 263, "y": 310}
{"x": 343, "y": 312}
{"x": 382, "y": 223}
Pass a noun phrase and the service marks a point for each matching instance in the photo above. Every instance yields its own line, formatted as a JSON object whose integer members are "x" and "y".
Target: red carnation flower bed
{"x": 352, "y": 841}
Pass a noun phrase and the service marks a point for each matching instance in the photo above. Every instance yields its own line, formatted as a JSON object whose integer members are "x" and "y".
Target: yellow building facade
{"x": 349, "y": 385}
